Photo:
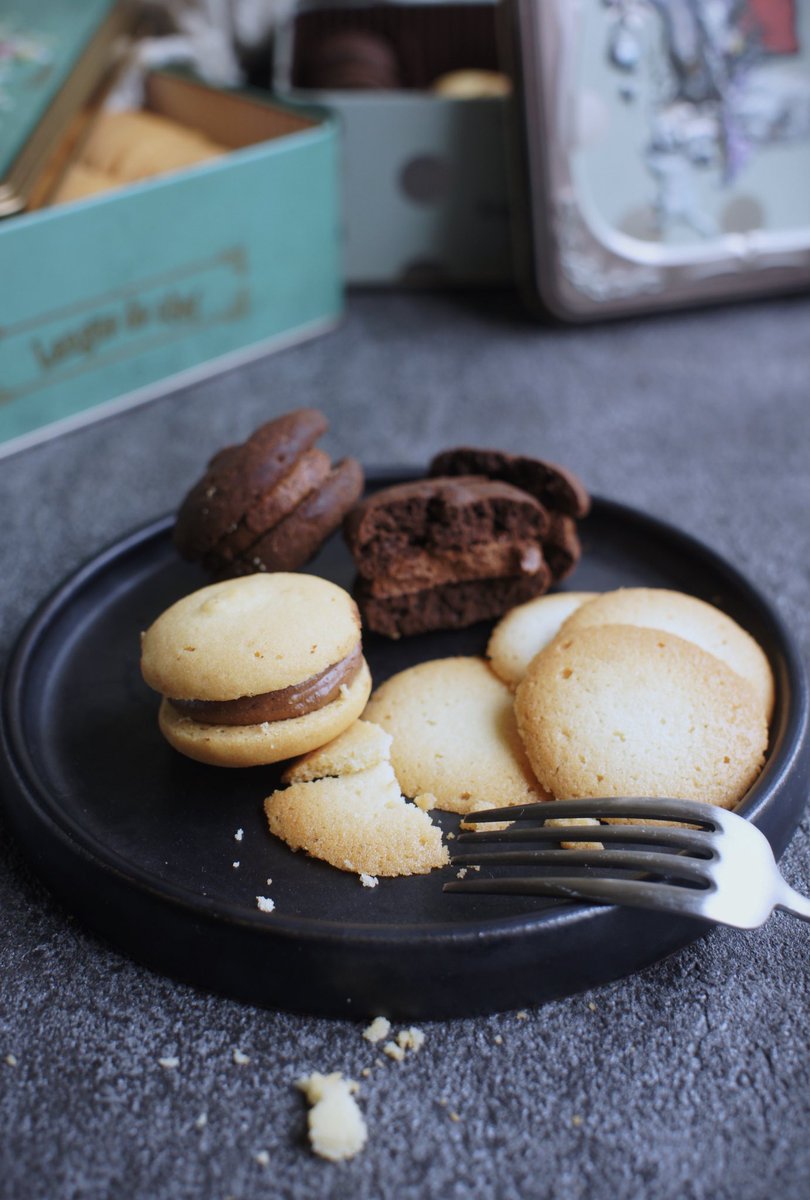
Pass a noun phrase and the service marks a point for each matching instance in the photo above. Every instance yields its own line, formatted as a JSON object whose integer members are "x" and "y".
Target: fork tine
{"x": 605, "y": 806}
{"x": 655, "y": 864}
{"x": 663, "y": 896}
{"x": 697, "y": 841}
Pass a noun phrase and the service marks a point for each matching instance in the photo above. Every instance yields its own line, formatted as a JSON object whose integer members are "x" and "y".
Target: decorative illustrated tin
{"x": 666, "y": 151}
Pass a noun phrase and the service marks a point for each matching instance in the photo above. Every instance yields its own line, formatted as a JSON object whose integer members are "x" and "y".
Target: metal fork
{"x": 722, "y": 871}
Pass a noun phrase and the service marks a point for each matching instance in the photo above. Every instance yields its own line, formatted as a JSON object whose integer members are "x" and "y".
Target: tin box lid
{"x": 647, "y": 178}
{"x": 42, "y": 46}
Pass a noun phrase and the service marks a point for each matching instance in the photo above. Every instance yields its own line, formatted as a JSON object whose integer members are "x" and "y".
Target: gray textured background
{"x": 690, "y": 1080}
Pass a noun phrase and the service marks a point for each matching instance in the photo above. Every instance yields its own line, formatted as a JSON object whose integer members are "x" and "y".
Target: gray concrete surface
{"x": 689, "y": 1081}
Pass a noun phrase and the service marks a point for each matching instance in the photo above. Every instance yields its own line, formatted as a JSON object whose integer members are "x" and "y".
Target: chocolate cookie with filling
{"x": 351, "y": 58}
{"x": 236, "y": 520}
{"x": 445, "y": 553}
{"x": 258, "y": 669}
{"x": 555, "y": 487}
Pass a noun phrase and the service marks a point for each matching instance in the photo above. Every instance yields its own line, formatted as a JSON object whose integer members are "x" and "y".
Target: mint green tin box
{"x": 118, "y": 297}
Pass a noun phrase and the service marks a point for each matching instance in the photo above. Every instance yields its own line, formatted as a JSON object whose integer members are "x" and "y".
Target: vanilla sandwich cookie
{"x": 258, "y": 669}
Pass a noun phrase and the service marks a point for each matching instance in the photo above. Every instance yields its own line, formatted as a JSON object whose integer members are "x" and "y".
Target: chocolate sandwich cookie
{"x": 257, "y": 670}
{"x": 559, "y": 491}
{"x": 445, "y": 553}
{"x": 269, "y": 503}
{"x": 554, "y": 486}
{"x": 353, "y": 59}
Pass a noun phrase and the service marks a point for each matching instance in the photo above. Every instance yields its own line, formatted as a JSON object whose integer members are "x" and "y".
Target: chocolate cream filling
{"x": 481, "y": 561}
{"x": 282, "y": 705}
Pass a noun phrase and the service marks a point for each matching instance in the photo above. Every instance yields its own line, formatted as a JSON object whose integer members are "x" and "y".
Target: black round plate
{"x": 143, "y": 844}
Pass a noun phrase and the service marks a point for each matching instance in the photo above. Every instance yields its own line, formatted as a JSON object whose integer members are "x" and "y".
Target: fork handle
{"x": 793, "y": 902}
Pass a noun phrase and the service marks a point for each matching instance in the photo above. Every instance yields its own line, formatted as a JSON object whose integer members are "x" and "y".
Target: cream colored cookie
{"x": 689, "y": 618}
{"x": 471, "y": 84}
{"x": 136, "y": 145}
{"x": 620, "y": 710}
{"x": 269, "y": 742}
{"x": 569, "y": 821}
{"x": 360, "y": 746}
{"x": 248, "y": 636}
{"x": 257, "y": 669}
{"x": 357, "y": 822}
{"x": 80, "y": 181}
{"x": 455, "y": 735}
{"x": 526, "y": 629}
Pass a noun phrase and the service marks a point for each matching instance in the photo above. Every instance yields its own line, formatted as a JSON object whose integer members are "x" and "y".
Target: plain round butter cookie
{"x": 525, "y": 630}
{"x": 690, "y": 618}
{"x": 620, "y": 710}
{"x": 455, "y": 735}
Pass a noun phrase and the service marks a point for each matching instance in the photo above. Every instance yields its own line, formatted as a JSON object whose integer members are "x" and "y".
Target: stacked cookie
{"x": 124, "y": 147}
{"x": 253, "y": 671}
{"x": 639, "y": 692}
{"x": 484, "y": 532}
{"x": 269, "y": 503}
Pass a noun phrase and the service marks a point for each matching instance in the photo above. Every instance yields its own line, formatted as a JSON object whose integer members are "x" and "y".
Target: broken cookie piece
{"x": 335, "y": 1124}
{"x": 345, "y": 806}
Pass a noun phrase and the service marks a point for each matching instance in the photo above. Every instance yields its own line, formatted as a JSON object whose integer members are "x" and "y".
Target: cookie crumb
{"x": 366, "y": 1072}
{"x": 11, "y": 1060}
{"x": 336, "y": 1127}
{"x": 265, "y": 904}
{"x": 498, "y": 1040}
{"x": 461, "y": 872}
{"x": 379, "y": 1028}
{"x": 576, "y": 1121}
{"x": 394, "y": 1051}
{"x": 240, "y": 833}
{"x": 591, "y": 1006}
{"x": 425, "y": 800}
{"x": 240, "y": 1058}
{"x": 169, "y": 1063}
{"x": 522, "y": 1015}
{"x": 369, "y": 881}
{"x": 262, "y": 1158}
{"x": 269, "y": 882}
{"x": 453, "y": 1115}
{"x": 202, "y": 1121}
{"x": 235, "y": 864}
{"x": 411, "y": 1039}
